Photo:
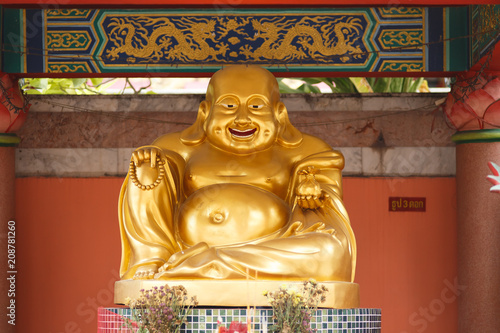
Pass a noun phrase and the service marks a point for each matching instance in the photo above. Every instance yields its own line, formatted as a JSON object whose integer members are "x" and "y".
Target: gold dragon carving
{"x": 143, "y": 38}
{"x": 138, "y": 43}
{"x": 279, "y": 35}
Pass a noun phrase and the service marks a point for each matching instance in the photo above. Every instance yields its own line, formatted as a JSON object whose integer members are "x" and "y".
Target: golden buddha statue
{"x": 238, "y": 195}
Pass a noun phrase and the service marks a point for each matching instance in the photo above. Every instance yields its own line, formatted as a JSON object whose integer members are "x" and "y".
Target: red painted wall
{"x": 407, "y": 261}
{"x": 68, "y": 252}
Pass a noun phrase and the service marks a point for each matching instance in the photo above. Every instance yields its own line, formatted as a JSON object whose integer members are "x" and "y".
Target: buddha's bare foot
{"x": 146, "y": 272}
{"x": 179, "y": 257}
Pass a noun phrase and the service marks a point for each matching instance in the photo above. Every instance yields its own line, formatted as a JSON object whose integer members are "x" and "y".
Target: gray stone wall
{"x": 93, "y": 136}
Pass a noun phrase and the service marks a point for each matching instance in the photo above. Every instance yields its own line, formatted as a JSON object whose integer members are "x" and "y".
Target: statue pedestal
{"x": 242, "y": 293}
{"x": 204, "y": 319}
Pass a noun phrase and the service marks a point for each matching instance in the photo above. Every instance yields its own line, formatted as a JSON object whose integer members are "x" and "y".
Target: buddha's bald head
{"x": 243, "y": 80}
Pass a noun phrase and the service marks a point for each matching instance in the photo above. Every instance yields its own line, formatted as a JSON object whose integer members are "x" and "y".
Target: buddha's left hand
{"x": 309, "y": 193}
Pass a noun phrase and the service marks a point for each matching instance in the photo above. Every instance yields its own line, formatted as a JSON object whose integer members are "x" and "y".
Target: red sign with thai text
{"x": 406, "y": 204}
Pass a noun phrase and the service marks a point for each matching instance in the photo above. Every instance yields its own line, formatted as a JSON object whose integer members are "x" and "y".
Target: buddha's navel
{"x": 218, "y": 218}
{"x": 224, "y": 214}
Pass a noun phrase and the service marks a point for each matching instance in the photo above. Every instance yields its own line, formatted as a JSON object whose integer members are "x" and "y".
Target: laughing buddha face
{"x": 242, "y": 117}
{"x": 242, "y": 113}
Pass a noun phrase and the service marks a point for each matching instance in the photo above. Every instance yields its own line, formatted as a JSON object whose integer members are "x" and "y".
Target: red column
{"x": 13, "y": 112}
{"x": 478, "y": 211}
{"x": 473, "y": 107}
{"x": 7, "y": 209}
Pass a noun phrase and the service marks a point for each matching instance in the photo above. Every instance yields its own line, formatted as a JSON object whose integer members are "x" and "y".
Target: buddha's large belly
{"x": 225, "y": 214}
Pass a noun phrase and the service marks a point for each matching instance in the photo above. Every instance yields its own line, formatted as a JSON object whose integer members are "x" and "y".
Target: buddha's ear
{"x": 288, "y": 135}
{"x": 195, "y": 134}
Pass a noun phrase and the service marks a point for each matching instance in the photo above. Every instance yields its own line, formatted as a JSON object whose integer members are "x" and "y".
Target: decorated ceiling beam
{"x": 397, "y": 41}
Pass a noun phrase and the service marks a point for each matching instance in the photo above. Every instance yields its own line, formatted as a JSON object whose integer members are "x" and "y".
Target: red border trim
{"x": 237, "y": 3}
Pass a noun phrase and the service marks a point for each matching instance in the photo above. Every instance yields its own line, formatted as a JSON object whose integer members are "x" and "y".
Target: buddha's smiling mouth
{"x": 242, "y": 134}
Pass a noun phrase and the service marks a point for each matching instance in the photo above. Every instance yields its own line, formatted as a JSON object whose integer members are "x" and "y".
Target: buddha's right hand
{"x": 149, "y": 177}
{"x": 145, "y": 154}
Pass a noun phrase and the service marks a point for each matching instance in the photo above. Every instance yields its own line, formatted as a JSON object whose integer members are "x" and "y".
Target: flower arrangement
{"x": 293, "y": 309}
{"x": 159, "y": 310}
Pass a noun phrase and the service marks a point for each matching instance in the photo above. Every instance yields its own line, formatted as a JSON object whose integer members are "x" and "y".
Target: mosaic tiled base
{"x": 204, "y": 320}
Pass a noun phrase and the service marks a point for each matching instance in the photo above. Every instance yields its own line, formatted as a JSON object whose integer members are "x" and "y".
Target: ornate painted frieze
{"x": 485, "y": 28}
{"x": 261, "y": 38}
{"x": 78, "y": 41}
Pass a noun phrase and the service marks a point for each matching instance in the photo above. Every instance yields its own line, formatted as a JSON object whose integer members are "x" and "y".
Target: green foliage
{"x": 81, "y": 86}
{"x": 97, "y": 86}
{"x": 356, "y": 85}
{"x": 306, "y": 87}
{"x": 395, "y": 84}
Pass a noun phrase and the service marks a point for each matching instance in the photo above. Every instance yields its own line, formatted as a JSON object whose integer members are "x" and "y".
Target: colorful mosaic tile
{"x": 204, "y": 320}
